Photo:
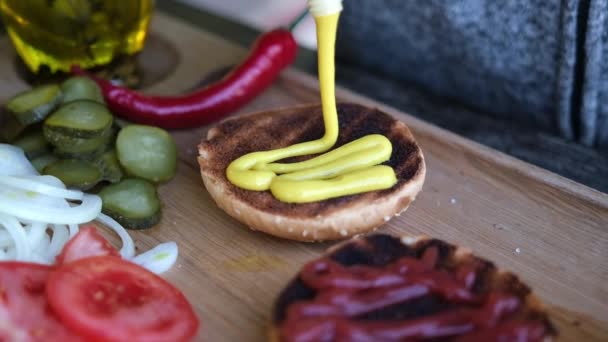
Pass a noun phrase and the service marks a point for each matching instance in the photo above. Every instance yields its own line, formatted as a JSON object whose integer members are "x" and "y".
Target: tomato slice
{"x": 87, "y": 243}
{"x": 24, "y": 311}
{"x": 106, "y": 298}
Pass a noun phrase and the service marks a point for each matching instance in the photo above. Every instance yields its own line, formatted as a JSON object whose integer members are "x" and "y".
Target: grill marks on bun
{"x": 236, "y": 137}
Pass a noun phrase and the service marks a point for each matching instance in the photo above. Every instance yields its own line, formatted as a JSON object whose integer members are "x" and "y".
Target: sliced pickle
{"x": 10, "y": 127}
{"x": 79, "y": 119}
{"x": 122, "y": 123}
{"x": 34, "y": 105}
{"x": 147, "y": 152}
{"x": 133, "y": 203}
{"x": 78, "y": 174}
{"x": 73, "y": 145}
{"x": 81, "y": 88}
{"x": 43, "y": 161}
{"x": 33, "y": 144}
{"x": 109, "y": 166}
{"x": 88, "y": 156}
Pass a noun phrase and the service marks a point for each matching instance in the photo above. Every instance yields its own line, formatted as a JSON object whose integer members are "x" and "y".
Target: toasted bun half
{"x": 380, "y": 250}
{"x": 331, "y": 219}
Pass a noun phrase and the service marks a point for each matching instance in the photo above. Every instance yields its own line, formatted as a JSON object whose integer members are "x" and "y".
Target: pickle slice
{"x": 73, "y": 145}
{"x": 81, "y": 88}
{"x": 147, "y": 152}
{"x": 33, "y": 144}
{"x": 133, "y": 203}
{"x": 10, "y": 127}
{"x": 34, "y": 105}
{"x": 121, "y": 123}
{"x": 43, "y": 161}
{"x": 87, "y": 156}
{"x": 109, "y": 166}
{"x": 79, "y": 119}
{"x": 74, "y": 173}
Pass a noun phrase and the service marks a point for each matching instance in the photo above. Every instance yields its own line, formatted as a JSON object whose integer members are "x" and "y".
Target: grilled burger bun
{"x": 330, "y": 219}
{"x": 378, "y": 251}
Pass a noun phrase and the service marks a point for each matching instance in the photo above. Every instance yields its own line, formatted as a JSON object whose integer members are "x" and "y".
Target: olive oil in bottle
{"x": 61, "y": 33}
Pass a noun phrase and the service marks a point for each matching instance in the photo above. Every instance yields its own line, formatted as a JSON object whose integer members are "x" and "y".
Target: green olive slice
{"x": 132, "y": 202}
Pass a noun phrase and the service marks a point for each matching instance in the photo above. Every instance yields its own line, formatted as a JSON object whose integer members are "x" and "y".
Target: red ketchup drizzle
{"x": 343, "y": 293}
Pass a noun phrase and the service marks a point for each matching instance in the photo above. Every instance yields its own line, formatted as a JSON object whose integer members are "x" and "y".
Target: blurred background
{"x": 265, "y": 15}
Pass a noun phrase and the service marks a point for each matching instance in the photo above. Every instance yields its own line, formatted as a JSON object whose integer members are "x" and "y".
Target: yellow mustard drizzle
{"x": 350, "y": 169}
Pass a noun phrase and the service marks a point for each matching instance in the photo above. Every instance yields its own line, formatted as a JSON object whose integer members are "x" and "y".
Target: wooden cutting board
{"x": 551, "y": 231}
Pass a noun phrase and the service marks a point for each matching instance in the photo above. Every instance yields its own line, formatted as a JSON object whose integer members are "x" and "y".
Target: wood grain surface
{"x": 549, "y": 230}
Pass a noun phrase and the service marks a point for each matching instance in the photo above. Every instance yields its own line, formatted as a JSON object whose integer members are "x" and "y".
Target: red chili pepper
{"x": 271, "y": 53}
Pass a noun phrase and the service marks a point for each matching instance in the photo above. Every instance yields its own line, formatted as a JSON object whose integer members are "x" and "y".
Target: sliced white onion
{"x": 17, "y": 232}
{"x": 11, "y": 253}
{"x": 38, "y": 258}
{"x": 33, "y": 199}
{"x": 47, "y": 179}
{"x": 34, "y": 185}
{"x": 35, "y": 232}
{"x": 85, "y": 212}
{"x": 159, "y": 259}
{"x": 41, "y": 250}
{"x": 31, "y": 205}
{"x": 3, "y": 255}
{"x": 73, "y": 229}
{"x": 5, "y": 239}
{"x": 14, "y": 163}
{"x": 127, "y": 250}
{"x": 59, "y": 239}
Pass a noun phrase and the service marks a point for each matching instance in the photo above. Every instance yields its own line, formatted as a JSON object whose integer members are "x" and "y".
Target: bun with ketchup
{"x": 382, "y": 288}
{"x": 329, "y": 219}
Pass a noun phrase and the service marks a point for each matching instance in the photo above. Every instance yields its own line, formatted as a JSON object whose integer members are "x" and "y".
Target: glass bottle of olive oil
{"x": 60, "y": 33}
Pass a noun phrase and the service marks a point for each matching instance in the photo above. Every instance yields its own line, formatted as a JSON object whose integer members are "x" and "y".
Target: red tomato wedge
{"x": 24, "y": 311}
{"x": 87, "y": 243}
{"x": 105, "y": 298}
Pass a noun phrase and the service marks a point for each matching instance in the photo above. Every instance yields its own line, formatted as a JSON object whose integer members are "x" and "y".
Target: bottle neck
{"x": 320, "y": 8}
